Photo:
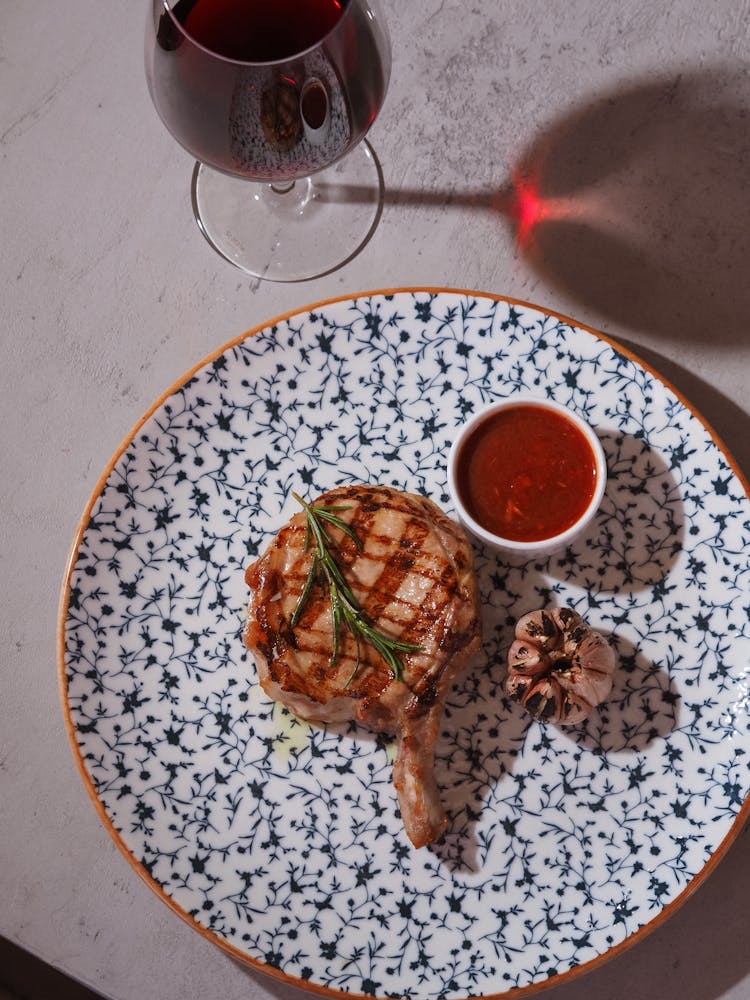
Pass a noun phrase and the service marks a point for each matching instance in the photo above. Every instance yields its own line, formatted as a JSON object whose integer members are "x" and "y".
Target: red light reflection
{"x": 527, "y": 207}
{"x": 523, "y": 205}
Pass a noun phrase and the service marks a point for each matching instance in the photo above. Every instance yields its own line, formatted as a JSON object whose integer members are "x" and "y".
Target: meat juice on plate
{"x": 267, "y": 91}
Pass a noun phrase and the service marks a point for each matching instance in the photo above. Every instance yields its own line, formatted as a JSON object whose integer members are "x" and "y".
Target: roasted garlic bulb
{"x": 559, "y": 668}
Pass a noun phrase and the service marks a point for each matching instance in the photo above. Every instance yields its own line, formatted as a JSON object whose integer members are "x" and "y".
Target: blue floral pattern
{"x": 282, "y": 839}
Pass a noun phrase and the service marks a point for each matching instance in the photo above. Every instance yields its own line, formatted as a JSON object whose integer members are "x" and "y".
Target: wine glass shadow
{"x": 636, "y": 204}
{"x": 639, "y": 206}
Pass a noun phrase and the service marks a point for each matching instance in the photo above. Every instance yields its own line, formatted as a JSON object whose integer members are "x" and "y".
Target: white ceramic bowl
{"x": 543, "y": 546}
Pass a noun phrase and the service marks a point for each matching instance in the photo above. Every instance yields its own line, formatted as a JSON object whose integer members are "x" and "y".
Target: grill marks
{"x": 402, "y": 560}
{"x": 377, "y": 575}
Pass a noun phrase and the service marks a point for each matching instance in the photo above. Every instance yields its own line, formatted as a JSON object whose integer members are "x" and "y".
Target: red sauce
{"x": 526, "y": 473}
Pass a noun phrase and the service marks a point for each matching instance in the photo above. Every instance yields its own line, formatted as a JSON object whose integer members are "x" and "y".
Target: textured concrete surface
{"x": 633, "y": 119}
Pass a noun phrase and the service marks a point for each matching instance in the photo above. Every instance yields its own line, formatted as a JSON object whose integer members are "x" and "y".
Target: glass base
{"x": 294, "y": 230}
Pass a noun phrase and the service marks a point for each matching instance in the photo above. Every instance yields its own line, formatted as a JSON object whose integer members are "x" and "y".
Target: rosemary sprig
{"x": 345, "y": 608}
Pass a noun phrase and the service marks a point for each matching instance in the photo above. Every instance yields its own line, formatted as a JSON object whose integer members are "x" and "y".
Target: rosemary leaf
{"x": 328, "y": 514}
{"x": 311, "y": 576}
{"x": 336, "y": 623}
{"x": 344, "y": 606}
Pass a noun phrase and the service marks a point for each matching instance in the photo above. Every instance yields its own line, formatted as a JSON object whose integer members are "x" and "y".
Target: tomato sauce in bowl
{"x": 527, "y": 475}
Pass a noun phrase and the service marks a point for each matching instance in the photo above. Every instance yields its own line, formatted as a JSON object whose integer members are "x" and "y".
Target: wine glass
{"x": 273, "y": 98}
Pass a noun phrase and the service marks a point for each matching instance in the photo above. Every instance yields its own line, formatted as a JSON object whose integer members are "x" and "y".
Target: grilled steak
{"x": 413, "y": 577}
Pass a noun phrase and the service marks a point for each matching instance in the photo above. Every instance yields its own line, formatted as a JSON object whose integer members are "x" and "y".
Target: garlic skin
{"x": 559, "y": 668}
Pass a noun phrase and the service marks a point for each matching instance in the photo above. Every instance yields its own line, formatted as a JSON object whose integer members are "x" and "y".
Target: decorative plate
{"x": 281, "y": 841}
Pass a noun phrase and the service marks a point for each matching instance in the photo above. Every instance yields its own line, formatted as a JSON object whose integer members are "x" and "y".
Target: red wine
{"x": 274, "y": 89}
{"x": 261, "y": 30}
